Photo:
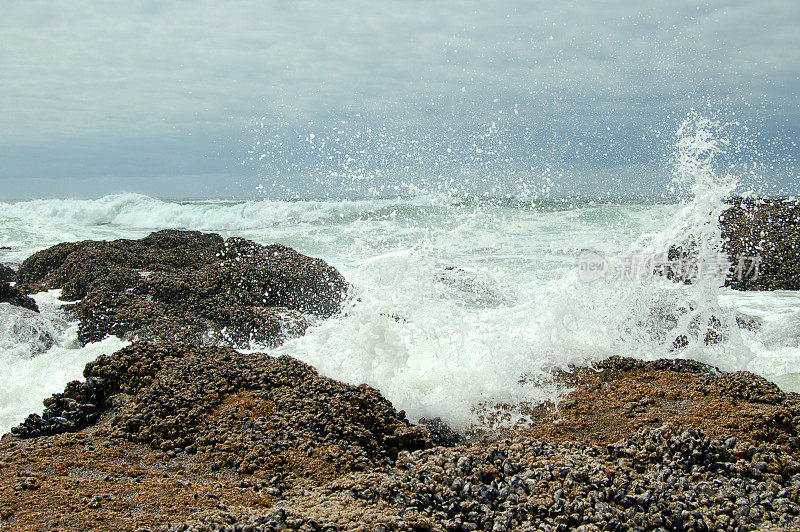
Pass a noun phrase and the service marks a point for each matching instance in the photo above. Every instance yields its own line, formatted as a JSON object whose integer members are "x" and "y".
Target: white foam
{"x": 144, "y": 212}
{"x": 39, "y": 355}
{"x": 405, "y": 336}
{"x": 409, "y": 335}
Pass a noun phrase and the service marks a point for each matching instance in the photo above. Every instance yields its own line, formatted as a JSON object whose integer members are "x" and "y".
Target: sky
{"x": 275, "y": 98}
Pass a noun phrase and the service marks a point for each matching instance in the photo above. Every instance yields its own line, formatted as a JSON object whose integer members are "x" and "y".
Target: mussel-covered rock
{"x": 187, "y": 286}
{"x": 206, "y": 438}
{"x": 761, "y": 241}
{"x": 249, "y": 412}
{"x": 13, "y": 295}
{"x": 6, "y": 273}
{"x": 762, "y": 238}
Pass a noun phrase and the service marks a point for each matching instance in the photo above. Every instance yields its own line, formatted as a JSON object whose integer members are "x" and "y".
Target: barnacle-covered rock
{"x": 13, "y": 296}
{"x": 762, "y": 239}
{"x": 248, "y": 412}
{"x": 187, "y": 286}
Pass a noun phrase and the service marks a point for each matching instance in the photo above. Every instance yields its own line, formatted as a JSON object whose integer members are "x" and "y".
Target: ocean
{"x": 455, "y": 302}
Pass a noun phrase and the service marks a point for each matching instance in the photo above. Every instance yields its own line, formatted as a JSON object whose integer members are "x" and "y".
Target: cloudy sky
{"x": 221, "y": 99}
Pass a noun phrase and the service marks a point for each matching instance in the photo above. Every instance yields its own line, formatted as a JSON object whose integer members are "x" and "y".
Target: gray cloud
{"x": 146, "y": 89}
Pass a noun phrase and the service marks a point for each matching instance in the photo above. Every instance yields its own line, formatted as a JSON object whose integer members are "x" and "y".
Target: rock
{"x": 761, "y": 238}
{"x": 175, "y": 429}
{"x": 747, "y": 322}
{"x": 207, "y": 438}
{"x": 24, "y": 332}
{"x": 260, "y": 409}
{"x": 440, "y": 432}
{"x": 661, "y": 325}
{"x": 768, "y": 229}
{"x": 681, "y": 262}
{"x": 621, "y": 396}
{"x": 600, "y": 488}
{"x": 187, "y": 286}
{"x": 28, "y": 483}
{"x": 6, "y": 274}
{"x": 14, "y": 296}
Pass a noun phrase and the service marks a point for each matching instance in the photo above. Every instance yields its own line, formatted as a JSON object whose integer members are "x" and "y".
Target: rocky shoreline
{"x": 204, "y": 438}
{"x": 180, "y": 431}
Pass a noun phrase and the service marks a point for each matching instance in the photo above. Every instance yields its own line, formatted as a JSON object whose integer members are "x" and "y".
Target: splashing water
{"x": 406, "y": 335}
{"x": 39, "y": 354}
{"x": 644, "y": 315}
{"x": 460, "y": 302}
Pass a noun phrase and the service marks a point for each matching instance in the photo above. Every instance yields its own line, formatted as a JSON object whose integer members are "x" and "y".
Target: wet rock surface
{"x": 440, "y": 432}
{"x": 657, "y": 479}
{"x": 6, "y": 273}
{"x": 186, "y": 287}
{"x": 761, "y": 238}
{"x": 621, "y": 396}
{"x": 250, "y": 412}
{"x": 26, "y": 333}
{"x": 205, "y": 415}
{"x": 770, "y": 230}
{"x": 206, "y": 438}
{"x": 12, "y": 295}
{"x": 664, "y": 445}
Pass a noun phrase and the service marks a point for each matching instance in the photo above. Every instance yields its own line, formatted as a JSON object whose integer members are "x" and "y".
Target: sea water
{"x": 456, "y": 302}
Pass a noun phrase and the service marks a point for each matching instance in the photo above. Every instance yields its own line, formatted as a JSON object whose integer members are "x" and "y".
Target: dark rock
{"x": 750, "y": 323}
{"x": 661, "y": 324}
{"x": 681, "y": 264}
{"x": 6, "y": 274}
{"x": 259, "y": 443}
{"x": 186, "y": 286}
{"x": 761, "y": 238}
{"x": 28, "y": 483}
{"x": 766, "y": 229}
{"x": 13, "y": 295}
{"x": 441, "y": 433}
{"x": 642, "y": 482}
